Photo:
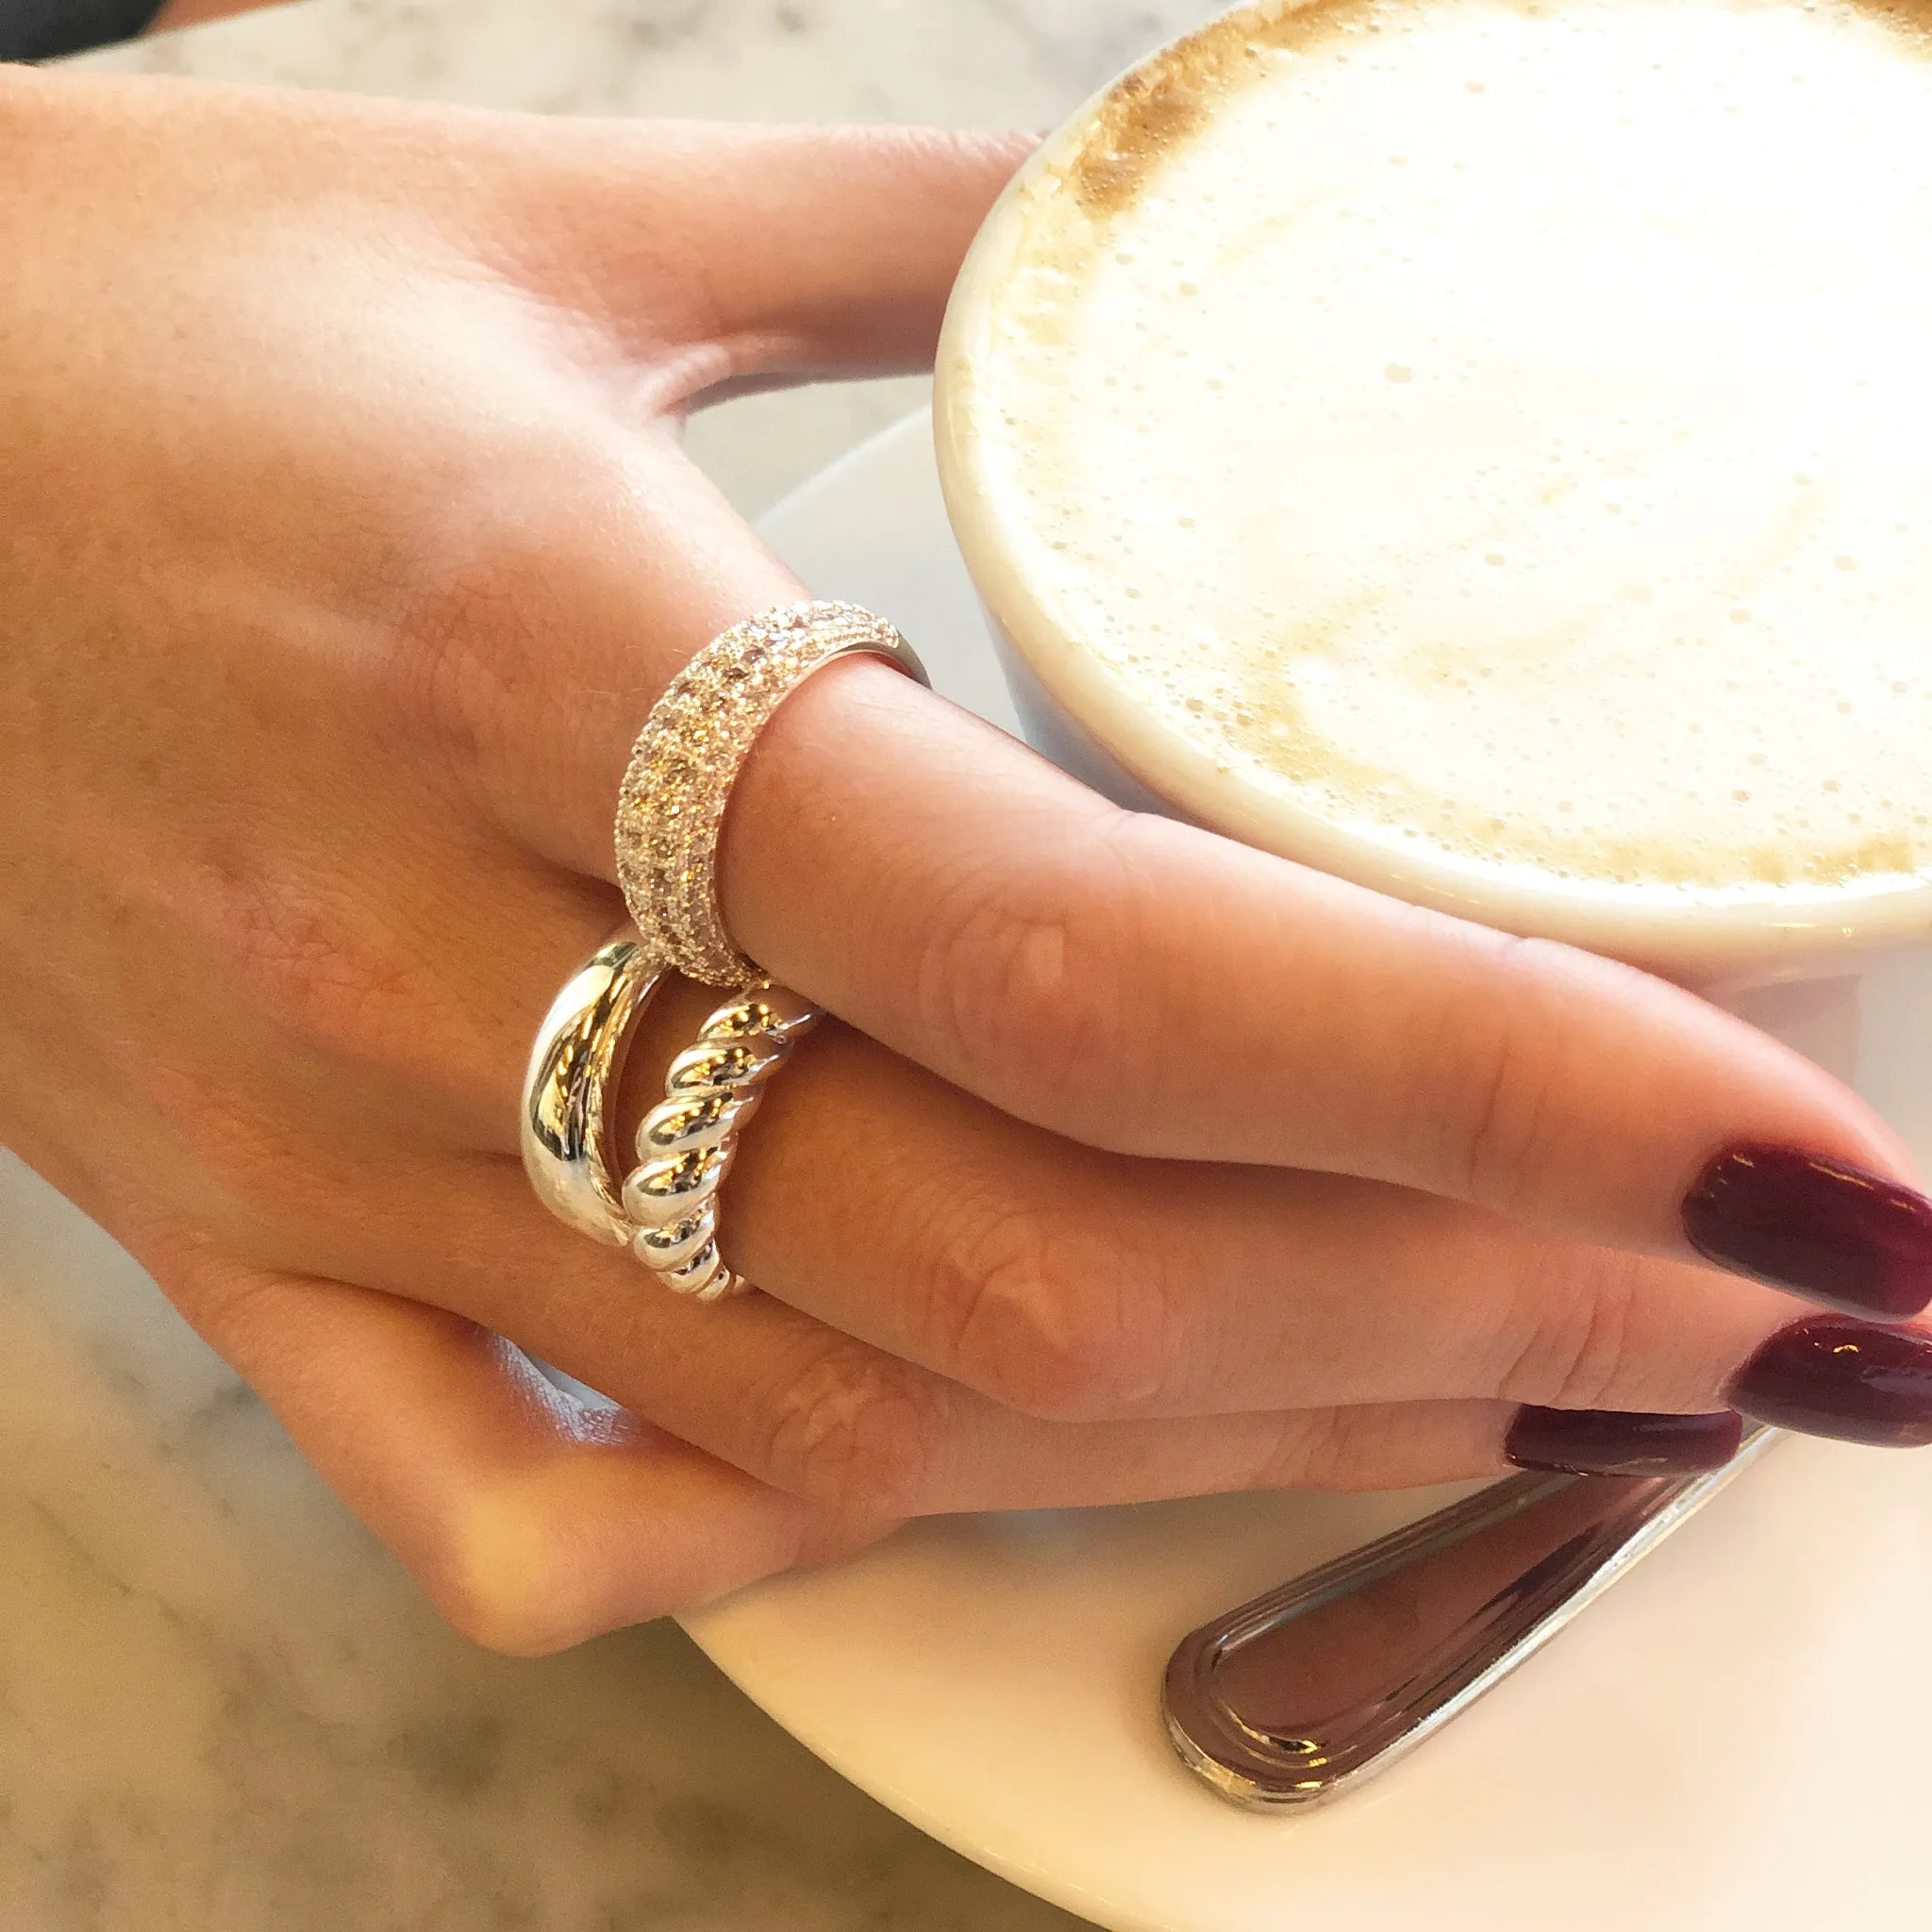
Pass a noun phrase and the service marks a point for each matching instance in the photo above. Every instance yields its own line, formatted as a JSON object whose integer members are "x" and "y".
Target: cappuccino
{"x": 1497, "y": 431}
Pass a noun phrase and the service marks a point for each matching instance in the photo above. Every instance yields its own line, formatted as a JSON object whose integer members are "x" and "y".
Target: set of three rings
{"x": 670, "y": 812}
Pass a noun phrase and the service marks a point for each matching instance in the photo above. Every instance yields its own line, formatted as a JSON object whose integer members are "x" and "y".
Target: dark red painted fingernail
{"x": 1832, "y": 1233}
{"x": 1607, "y": 1442}
{"x": 1829, "y": 1376}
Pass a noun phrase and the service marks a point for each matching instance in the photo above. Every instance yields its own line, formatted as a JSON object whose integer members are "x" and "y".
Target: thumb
{"x": 787, "y": 252}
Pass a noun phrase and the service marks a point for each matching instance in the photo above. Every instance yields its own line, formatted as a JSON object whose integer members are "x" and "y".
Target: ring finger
{"x": 820, "y": 1414}
{"x": 1054, "y": 1280}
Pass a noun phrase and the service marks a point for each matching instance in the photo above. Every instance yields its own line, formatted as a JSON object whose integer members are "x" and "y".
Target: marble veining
{"x": 223, "y": 1708}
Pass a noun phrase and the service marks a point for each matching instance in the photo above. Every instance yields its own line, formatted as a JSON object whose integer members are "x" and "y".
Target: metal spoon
{"x": 1305, "y": 1692}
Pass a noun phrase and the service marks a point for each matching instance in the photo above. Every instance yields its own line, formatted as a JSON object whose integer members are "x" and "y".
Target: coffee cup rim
{"x": 1758, "y": 931}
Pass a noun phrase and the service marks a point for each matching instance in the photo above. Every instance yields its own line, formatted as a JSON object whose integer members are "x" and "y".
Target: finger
{"x": 800, "y": 251}
{"x": 868, "y": 1434}
{"x": 868, "y": 1437}
{"x": 532, "y": 1522}
{"x": 871, "y": 1438}
{"x": 1068, "y": 1283}
{"x": 1146, "y": 987}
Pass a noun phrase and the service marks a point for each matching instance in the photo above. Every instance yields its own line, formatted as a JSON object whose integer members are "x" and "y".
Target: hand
{"x": 348, "y": 541}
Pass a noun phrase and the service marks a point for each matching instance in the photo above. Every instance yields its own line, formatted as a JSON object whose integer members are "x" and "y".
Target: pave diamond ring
{"x": 688, "y": 756}
{"x": 669, "y": 813}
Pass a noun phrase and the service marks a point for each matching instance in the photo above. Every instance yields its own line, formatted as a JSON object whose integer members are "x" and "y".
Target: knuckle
{"x": 1574, "y": 1331}
{"x": 318, "y": 977}
{"x": 472, "y": 609}
{"x": 476, "y": 593}
{"x": 330, "y": 975}
{"x": 1504, "y": 1077}
{"x": 1376, "y": 1447}
{"x": 464, "y": 654}
{"x": 499, "y": 1570}
{"x": 1023, "y": 978}
{"x": 1326, "y": 1449}
{"x": 1045, "y": 1318}
{"x": 857, "y": 1433}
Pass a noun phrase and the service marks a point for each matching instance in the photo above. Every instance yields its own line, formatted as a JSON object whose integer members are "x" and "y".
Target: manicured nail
{"x": 1832, "y": 1233}
{"x": 1833, "y": 1377}
{"x": 1607, "y": 1442}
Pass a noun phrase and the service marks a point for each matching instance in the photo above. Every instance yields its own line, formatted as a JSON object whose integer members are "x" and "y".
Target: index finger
{"x": 1149, "y": 987}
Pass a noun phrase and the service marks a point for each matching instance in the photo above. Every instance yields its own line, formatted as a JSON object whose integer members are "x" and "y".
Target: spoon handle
{"x": 1304, "y": 1693}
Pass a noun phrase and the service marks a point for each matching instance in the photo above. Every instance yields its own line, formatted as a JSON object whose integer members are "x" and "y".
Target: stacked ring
{"x": 671, "y": 807}
{"x": 571, "y": 1087}
{"x": 669, "y": 815}
{"x": 687, "y": 1141}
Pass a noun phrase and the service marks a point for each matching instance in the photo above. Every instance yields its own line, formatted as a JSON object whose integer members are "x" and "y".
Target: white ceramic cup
{"x": 1839, "y": 974}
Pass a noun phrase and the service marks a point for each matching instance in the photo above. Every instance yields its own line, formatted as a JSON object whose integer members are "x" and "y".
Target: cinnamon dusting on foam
{"x": 1503, "y": 427}
{"x": 1155, "y": 108}
{"x": 1162, "y": 104}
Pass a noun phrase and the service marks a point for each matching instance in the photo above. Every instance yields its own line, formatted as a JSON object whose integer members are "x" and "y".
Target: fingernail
{"x": 1608, "y": 1441}
{"x": 1833, "y": 1377}
{"x": 1832, "y": 1233}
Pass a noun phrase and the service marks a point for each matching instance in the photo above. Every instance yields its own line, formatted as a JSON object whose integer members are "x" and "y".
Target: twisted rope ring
{"x": 687, "y": 1141}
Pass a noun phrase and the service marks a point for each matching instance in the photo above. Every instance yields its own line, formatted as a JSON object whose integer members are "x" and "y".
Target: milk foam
{"x": 1506, "y": 429}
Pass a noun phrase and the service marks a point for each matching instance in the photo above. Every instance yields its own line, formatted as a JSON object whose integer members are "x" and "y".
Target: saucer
{"x": 1727, "y": 1742}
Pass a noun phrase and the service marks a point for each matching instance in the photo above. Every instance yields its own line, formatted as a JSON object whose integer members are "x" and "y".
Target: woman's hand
{"x": 345, "y": 540}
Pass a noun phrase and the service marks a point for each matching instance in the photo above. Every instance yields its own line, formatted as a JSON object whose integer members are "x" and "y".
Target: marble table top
{"x": 223, "y": 1708}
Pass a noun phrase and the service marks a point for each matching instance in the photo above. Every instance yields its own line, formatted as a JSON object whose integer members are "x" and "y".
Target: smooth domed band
{"x": 571, "y": 1087}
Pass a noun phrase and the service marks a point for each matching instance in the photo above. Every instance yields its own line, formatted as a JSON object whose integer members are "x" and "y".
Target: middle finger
{"x": 1143, "y": 986}
{"x": 1066, "y": 1282}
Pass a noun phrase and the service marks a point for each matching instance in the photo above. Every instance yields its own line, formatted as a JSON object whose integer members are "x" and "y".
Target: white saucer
{"x": 1731, "y": 1741}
